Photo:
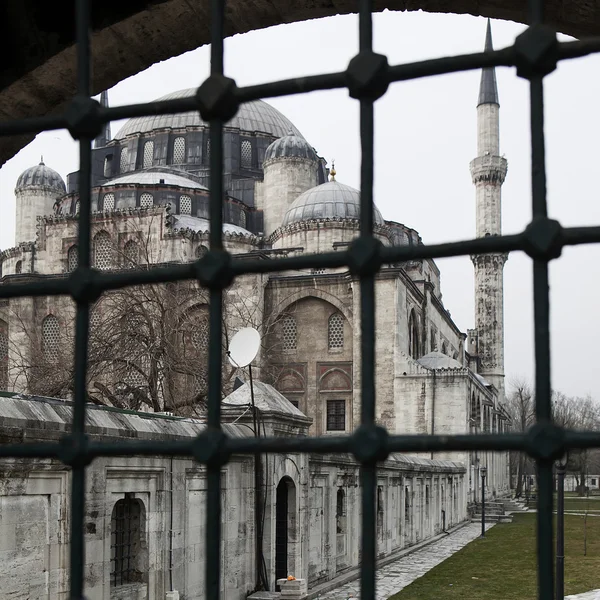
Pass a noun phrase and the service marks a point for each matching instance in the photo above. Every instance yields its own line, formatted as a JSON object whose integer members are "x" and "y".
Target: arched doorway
{"x": 285, "y": 528}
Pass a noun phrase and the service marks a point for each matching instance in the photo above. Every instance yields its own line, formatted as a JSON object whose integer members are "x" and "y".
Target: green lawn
{"x": 503, "y": 565}
{"x": 576, "y": 504}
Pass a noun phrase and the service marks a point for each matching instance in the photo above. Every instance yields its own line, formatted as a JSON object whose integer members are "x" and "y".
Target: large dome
{"x": 252, "y": 116}
{"x": 41, "y": 175}
{"x": 331, "y": 200}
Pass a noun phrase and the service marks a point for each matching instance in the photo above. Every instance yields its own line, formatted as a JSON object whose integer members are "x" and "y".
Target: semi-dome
{"x": 41, "y": 175}
{"x": 290, "y": 146}
{"x": 331, "y": 200}
{"x": 439, "y": 360}
{"x": 254, "y": 116}
{"x": 154, "y": 178}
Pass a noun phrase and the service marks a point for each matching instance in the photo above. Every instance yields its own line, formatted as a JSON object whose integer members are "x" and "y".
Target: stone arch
{"x": 414, "y": 342}
{"x": 302, "y": 294}
{"x": 286, "y": 527}
{"x": 290, "y": 380}
{"x": 335, "y": 379}
{"x": 130, "y": 37}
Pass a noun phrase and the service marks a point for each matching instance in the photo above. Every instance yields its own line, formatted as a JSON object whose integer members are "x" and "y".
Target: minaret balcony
{"x": 489, "y": 168}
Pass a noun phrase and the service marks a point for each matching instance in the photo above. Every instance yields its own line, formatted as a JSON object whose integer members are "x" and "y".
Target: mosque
{"x": 149, "y": 203}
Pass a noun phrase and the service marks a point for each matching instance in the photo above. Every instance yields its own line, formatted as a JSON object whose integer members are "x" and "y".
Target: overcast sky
{"x": 425, "y": 139}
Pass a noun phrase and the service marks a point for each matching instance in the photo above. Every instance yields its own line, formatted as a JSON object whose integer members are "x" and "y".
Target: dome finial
{"x": 333, "y": 172}
{"x": 42, "y": 159}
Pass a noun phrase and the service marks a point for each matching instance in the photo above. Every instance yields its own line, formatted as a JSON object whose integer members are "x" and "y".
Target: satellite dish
{"x": 243, "y": 347}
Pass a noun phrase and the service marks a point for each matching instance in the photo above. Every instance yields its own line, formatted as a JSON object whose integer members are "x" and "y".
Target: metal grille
{"x": 148, "y": 154}
{"x": 201, "y": 251}
{"x": 124, "y": 164}
{"x": 125, "y": 542}
{"x": 199, "y": 334}
{"x": 77, "y": 206}
{"x": 3, "y": 356}
{"x": 289, "y": 332}
{"x": 146, "y": 200}
{"x": 243, "y": 219}
{"x": 246, "y": 153}
{"x": 336, "y": 415}
{"x": 131, "y": 253}
{"x": 185, "y": 205}
{"x": 103, "y": 253}
{"x": 534, "y": 54}
{"x": 108, "y": 203}
{"x": 50, "y": 338}
{"x": 72, "y": 258}
{"x": 335, "y": 332}
{"x": 179, "y": 151}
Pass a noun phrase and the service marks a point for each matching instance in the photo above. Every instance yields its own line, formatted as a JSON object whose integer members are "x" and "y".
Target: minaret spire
{"x": 104, "y": 137}
{"x": 488, "y": 88}
{"x": 488, "y": 172}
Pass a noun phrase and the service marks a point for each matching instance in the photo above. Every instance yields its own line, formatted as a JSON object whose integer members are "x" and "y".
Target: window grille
{"x": 50, "y": 338}
{"x": 131, "y": 253}
{"x": 95, "y": 317}
{"x": 146, "y": 200}
{"x": 125, "y": 542}
{"x": 208, "y": 150}
{"x": 335, "y": 334}
{"x": 72, "y": 258}
{"x": 542, "y": 241}
{"x": 108, "y": 203}
{"x": 148, "y": 154}
{"x": 243, "y": 219}
{"x": 319, "y": 271}
{"x": 336, "y": 415}
{"x": 246, "y": 152}
{"x": 18, "y": 266}
{"x": 201, "y": 251}
{"x": 124, "y": 164}
{"x": 77, "y": 207}
{"x": 185, "y": 205}
{"x": 199, "y": 333}
{"x": 290, "y": 332}
{"x": 3, "y": 355}
{"x": 103, "y": 251}
{"x": 179, "y": 151}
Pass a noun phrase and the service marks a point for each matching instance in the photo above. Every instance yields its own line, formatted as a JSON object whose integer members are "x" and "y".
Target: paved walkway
{"x": 593, "y": 595}
{"x": 397, "y": 575}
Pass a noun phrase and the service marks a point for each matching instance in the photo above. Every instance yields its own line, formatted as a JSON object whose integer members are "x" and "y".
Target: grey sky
{"x": 425, "y": 138}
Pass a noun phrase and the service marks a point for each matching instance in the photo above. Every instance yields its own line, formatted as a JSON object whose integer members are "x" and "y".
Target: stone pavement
{"x": 593, "y": 595}
{"x": 400, "y": 573}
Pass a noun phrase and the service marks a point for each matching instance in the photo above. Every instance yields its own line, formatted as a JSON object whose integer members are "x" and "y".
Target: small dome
{"x": 331, "y": 200}
{"x": 290, "y": 146}
{"x": 41, "y": 175}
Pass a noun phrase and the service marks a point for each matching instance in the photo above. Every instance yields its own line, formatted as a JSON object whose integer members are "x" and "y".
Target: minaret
{"x": 488, "y": 171}
{"x": 104, "y": 137}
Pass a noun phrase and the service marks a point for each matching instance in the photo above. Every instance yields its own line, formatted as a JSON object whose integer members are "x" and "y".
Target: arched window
{"x": 19, "y": 266}
{"x": 72, "y": 258}
{"x": 208, "y": 149}
{"x": 179, "y": 151}
{"x": 289, "y": 332}
{"x": 124, "y": 162}
{"x": 108, "y": 165}
{"x": 200, "y": 332}
{"x": 146, "y": 200}
{"x": 148, "y": 154}
{"x": 243, "y": 219}
{"x": 201, "y": 251}
{"x": 102, "y": 251}
{"x": 77, "y": 207}
{"x": 444, "y": 348}
{"x": 432, "y": 342}
{"x": 413, "y": 335}
{"x": 131, "y": 254}
{"x": 127, "y": 555}
{"x": 108, "y": 202}
{"x": 3, "y": 355}
{"x": 246, "y": 154}
{"x": 185, "y": 205}
{"x": 335, "y": 332}
{"x": 50, "y": 338}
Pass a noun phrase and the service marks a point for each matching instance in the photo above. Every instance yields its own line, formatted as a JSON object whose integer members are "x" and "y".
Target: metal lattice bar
{"x": 367, "y": 79}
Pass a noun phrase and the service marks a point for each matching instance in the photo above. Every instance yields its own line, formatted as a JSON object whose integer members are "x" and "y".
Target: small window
{"x": 340, "y": 511}
{"x": 243, "y": 219}
{"x": 77, "y": 207}
{"x": 407, "y": 504}
{"x": 290, "y": 333}
{"x": 208, "y": 149}
{"x": 336, "y": 415}
{"x": 295, "y": 403}
{"x": 185, "y": 205}
{"x": 50, "y": 338}
{"x": 336, "y": 331}
{"x": 379, "y": 499}
{"x": 146, "y": 200}
{"x": 102, "y": 251}
{"x": 131, "y": 253}
{"x": 108, "y": 165}
{"x": 246, "y": 152}
{"x": 126, "y": 542}
{"x": 148, "y": 154}
{"x": 444, "y": 348}
{"x": 201, "y": 251}
{"x": 108, "y": 203}
{"x": 318, "y": 271}
{"x": 124, "y": 163}
{"x": 179, "y": 151}
{"x": 594, "y": 481}
{"x": 19, "y": 267}
{"x": 432, "y": 344}
{"x": 72, "y": 258}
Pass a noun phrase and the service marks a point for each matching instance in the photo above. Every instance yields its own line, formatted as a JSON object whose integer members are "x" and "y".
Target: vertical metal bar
{"x": 213, "y": 500}
{"x": 560, "y": 533}
{"x": 77, "y": 554}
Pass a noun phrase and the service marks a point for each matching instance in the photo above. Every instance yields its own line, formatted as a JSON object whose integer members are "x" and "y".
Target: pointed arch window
{"x": 243, "y": 219}
{"x": 19, "y": 266}
{"x": 124, "y": 160}
{"x": 148, "y": 154}
{"x": 50, "y": 338}
{"x": 72, "y": 258}
{"x": 179, "y": 151}
{"x": 108, "y": 202}
{"x": 103, "y": 251}
{"x": 146, "y": 200}
{"x": 335, "y": 331}
{"x": 185, "y": 205}
{"x": 246, "y": 154}
{"x": 413, "y": 336}
{"x": 77, "y": 207}
{"x": 289, "y": 332}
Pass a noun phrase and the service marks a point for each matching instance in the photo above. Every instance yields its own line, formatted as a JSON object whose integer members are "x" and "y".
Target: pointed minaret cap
{"x": 104, "y": 136}
{"x": 488, "y": 89}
